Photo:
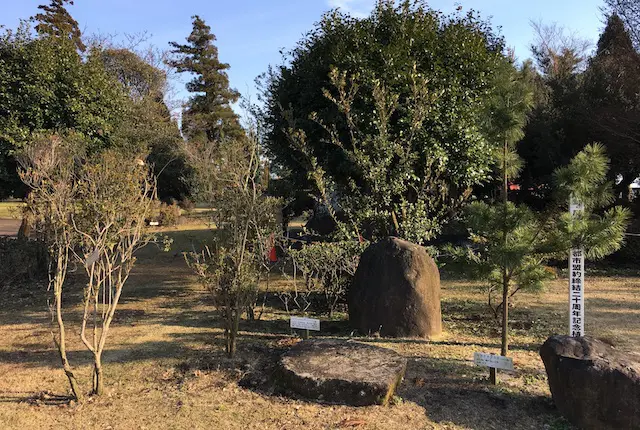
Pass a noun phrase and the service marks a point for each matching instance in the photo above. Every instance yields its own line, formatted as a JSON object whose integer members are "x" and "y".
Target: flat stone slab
{"x": 341, "y": 372}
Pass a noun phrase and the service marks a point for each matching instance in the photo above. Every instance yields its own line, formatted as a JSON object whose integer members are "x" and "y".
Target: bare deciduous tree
{"x": 48, "y": 169}
{"x": 114, "y": 197}
{"x": 243, "y": 215}
{"x": 557, "y": 51}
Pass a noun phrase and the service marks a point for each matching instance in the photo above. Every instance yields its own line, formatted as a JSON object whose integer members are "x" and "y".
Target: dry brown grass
{"x": 165, "y": 367}
{"x": 11, "y": 210}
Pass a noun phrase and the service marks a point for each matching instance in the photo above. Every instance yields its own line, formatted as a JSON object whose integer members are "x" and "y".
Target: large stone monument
{"x": 396, "y": 291}
{"x": 593, "y": 385}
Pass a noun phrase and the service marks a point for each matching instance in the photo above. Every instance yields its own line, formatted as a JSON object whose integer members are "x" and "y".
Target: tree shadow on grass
{"x": 496, "y": 345}
{"x": 37, "y": 399}
{"x": 47, "y": 356}
{"x": 456, "y": 391}
{"x": 450, "y": 391}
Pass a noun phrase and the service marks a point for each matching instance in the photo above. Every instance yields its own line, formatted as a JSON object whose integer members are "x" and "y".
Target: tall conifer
{"x": 208, "y": 114}
{"x": 55, "y": 20}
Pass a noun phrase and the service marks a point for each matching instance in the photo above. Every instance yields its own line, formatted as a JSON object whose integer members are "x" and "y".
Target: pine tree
{"x": 508, "y": 109}
{"x": 208, "y": 114}
{"x": 57, "y": 22}
{"x": 512, "y": 242}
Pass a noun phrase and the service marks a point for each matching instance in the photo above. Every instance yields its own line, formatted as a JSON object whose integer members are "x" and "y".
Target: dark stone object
{"x": 341, "y": 372}
{"x": 396, "y": 291}
{"x": 593, "y": 385}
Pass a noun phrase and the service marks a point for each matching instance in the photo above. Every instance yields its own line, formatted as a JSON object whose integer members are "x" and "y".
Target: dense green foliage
{"x": 46, "y": 85}
{"x": 389, "y": 111}
{"x": 611, "y": 87}
{"x": 111, "y": 96}
{"x": 629, "y": 12}
{"x": 149, "y": 125}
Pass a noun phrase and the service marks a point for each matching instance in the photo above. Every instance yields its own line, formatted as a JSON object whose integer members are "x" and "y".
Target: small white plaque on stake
{"x": 92, "y": 258}
{"x": 305, "y": 323}
{"x": 492, "y": 360}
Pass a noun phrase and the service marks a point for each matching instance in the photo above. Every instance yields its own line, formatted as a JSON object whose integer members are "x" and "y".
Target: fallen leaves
{"x": 351, "y": 423}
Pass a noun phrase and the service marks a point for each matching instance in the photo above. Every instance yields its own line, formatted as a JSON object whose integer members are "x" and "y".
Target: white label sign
{"x": 492, "y": 360}
{"x": 92, "y": 258}
{"x": 576, "y": 282}
{"x": 305, "y": 323}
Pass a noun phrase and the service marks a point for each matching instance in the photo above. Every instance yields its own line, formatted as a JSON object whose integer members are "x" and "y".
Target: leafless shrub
{"x": 228, "y": 178}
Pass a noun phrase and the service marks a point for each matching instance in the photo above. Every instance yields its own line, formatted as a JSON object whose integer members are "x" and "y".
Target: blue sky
{"x": 251, "y": 33}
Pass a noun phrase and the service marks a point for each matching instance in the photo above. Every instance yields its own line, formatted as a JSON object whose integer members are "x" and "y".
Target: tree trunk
{"x": 24, "y": 232}
{"x": 251, "y": 313}
{"x": 62, "y": 348}
{"x": 98, "y": 384}
{"x": 505, "y": 279}
{"x": 233, "y": 334}
{"x": 396, "y": 225}
{"x": 73, "y": 382}
{"x": 505, "y": 314}
{"x": 228, "y": 328}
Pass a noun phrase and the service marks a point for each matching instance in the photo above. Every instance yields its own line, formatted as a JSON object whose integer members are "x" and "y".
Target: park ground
{"x": 9, "y": 218}
{"x": 165, "y": 366}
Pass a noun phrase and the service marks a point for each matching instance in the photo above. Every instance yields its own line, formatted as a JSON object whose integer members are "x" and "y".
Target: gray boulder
{"x": 396, "y": 291}
{"x": 593, "y": 385}
{"x": 341, "y": 372}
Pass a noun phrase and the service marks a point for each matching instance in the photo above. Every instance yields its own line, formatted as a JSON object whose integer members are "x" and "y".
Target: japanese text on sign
{"x": 576, "y": 282}
{"x": 492, "y": 360}
{"x": 305, "y": 323}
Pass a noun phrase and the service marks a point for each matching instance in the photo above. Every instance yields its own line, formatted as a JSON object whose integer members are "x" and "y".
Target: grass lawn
{"x": 165, "y": 367}
{"x": 10, "y": 209}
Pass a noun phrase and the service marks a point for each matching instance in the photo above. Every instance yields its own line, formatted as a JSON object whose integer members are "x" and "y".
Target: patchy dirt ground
{"x": 165, "y": 367}
{"x": 9, "y": 227}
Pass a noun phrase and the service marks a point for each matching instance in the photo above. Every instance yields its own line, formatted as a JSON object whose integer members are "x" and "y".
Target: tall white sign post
{"x": 576, "y": 281}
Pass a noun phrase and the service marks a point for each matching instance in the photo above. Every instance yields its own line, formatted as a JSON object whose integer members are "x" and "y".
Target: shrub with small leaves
{"x": 169, "y": 215}
{"x": 328, "y": 267}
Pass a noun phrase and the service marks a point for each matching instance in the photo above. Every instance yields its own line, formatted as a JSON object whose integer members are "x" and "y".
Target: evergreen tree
{"x": 611, "y": 88}
{"x": 629, "y": 12}
{"x": 149, "y": 125}
{"x": 57, "y": 22}
{"x": 556, "y": 129}
{"x": 512, "y": 243}
{"x": 508, "y": 109}
{"x": 45, "y": 85}
{"x": 387, "y": 110}
{"x": 208, "y": 114}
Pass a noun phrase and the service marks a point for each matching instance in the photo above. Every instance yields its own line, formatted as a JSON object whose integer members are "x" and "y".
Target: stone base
{"x": 593, "y": 385}
{"x": 341, "y": 372}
